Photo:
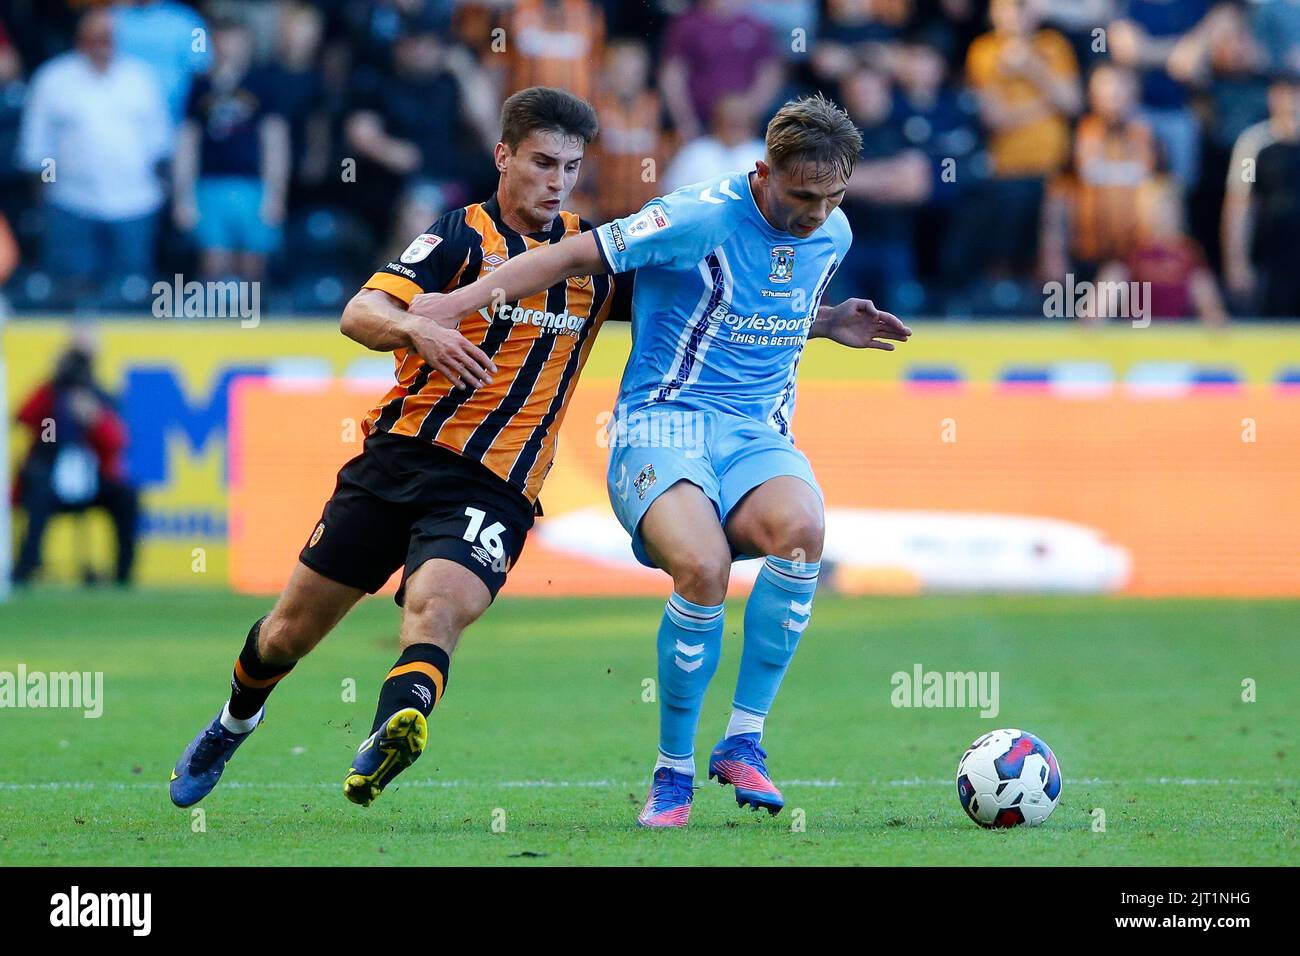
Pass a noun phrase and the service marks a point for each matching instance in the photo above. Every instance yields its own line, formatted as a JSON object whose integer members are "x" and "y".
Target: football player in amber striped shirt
{"x": 455, "y": 454}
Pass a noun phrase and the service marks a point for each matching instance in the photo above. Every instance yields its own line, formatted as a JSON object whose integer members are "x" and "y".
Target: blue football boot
{"x": 668, "y": 803}
{"x": 201, "y": 764}
{"x": 741, "y": 762}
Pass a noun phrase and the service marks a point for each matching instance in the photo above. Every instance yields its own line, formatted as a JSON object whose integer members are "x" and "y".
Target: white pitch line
{"x": 618, "y": 784}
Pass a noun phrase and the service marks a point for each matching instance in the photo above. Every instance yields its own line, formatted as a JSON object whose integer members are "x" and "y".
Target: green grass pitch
{"x": 544, "y": 737}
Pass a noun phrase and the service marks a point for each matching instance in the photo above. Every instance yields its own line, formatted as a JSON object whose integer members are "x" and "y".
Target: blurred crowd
{"x": 1007, "y": 142}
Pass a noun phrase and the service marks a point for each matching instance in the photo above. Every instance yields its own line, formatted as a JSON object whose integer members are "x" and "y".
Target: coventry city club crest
{"x": 644, "y": 480}
{"x": 782, "y": 264}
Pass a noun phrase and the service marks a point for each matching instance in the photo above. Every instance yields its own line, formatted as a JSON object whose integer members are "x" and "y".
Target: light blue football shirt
{"x": 723, "y": 301}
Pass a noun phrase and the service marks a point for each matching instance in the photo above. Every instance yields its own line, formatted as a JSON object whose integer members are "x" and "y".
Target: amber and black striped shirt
{"x": 539, "y": 345}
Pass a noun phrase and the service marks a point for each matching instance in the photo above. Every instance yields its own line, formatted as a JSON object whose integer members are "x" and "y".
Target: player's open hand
{"x": 436, "y": 337}
{"x": 857, "y": 323}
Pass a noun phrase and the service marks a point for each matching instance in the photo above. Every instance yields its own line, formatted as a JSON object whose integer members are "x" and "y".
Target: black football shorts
{"x": 403, "y": 501}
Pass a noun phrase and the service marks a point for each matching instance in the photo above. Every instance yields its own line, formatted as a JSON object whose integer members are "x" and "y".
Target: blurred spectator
{"x": 300, "y": 91}
{"x": 855, "y": 31}
{"x": 373, "y": 27}
{"x": 1226, "y": 66}
{"x": 1078, "y": 21}
{"x": 783, "y": 18}
{"x": 631, "y": 132}
{"x": 1180, "y": 285}
{"x": 854, "y": 22}
{"x": 713, "y": 50}
{"x": 1224, "y": 59}
{"x": 1027, "y": 82}
{"x": 933, "y": 114}
{"x": 95, "y": 128}
{"x": 942, "y": 123}
{"x": 1144, "y": 39}
{"x": 1114, "y": 155}
{"x": 420, "y": 134}
{"x": 171, "y": 38}
{"x": 555, "y": 43}
{"x": 734, "y": 142}
{"x": 891, "y": 179}
{"x": 75, "y": 461}
{"x": 959, "y": 22}
{"x": 1261, "y": 211}
{"x": 1277, "y": 27}
{"x": 232, "y": 162}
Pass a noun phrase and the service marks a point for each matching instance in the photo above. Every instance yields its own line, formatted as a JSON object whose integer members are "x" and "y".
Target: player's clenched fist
{"x": 436, "y": 336}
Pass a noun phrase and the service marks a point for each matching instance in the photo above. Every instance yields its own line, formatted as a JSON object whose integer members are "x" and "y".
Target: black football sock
{"x": 253, "y": 679}
{"x": 418, "y": 679}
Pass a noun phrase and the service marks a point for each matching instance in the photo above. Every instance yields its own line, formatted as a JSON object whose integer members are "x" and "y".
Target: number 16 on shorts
{"x": 487, "y": 545}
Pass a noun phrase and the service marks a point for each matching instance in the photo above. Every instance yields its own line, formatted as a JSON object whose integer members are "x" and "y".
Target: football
{"x": 1007, "y": 778}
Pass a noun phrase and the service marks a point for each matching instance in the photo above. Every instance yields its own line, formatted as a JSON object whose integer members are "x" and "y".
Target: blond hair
{"x": 812, "y": 129}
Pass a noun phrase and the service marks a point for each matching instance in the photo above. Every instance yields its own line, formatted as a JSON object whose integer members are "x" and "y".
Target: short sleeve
{"x": 620, "y": 307}
{"x": 431, "y": 262}
{"x": 674, "y": 230}
{"x": 841, "y": 234}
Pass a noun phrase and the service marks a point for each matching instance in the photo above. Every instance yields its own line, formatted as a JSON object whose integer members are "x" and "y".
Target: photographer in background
{"x": 75, "y": 461}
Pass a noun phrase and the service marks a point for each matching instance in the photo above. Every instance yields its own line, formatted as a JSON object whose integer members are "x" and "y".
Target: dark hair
{"x": 546, "y": 108}
{"x": 75, "y": 368}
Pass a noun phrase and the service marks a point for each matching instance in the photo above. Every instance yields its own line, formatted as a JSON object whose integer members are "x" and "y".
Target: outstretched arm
{"x": 521, "y": 276}
{"x": 857, "y": 323}
{"x": 381, "y": 322}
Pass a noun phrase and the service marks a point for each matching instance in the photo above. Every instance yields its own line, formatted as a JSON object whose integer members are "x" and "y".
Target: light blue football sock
{"x": 776, "y": 614}
{"x": 690, "y": 646}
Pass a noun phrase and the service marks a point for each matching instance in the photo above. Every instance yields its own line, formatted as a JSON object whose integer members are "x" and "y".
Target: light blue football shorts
{"x": 726, "y": 456}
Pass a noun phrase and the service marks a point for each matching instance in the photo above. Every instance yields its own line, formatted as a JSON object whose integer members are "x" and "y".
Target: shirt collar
{"x": 493, "y": 207}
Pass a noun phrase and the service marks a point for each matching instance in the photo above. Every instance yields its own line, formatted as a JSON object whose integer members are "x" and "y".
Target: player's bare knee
{"x": 702, "y": 577}
{"x": 798, "y": 536}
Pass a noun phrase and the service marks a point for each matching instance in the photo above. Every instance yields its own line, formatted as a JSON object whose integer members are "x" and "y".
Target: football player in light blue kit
{"x": 730, "y": 277}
